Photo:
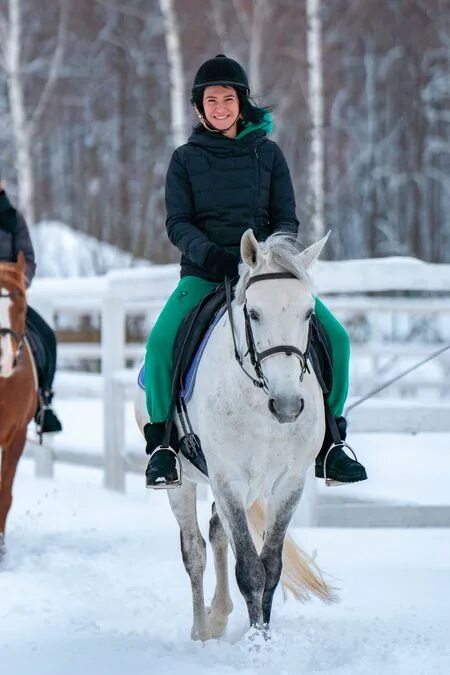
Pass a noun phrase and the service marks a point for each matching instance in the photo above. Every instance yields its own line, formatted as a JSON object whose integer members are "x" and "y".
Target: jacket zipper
{"x": 256, "y": 188}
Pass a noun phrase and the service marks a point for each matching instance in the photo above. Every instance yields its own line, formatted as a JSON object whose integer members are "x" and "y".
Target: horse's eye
{"x": 309, "y": 314}
{"x": 253, "y": 314}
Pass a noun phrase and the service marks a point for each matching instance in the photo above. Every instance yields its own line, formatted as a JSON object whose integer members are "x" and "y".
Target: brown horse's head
{"x": 12, "y": 313}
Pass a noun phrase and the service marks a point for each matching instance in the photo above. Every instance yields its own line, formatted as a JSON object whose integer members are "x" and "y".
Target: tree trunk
{"x": 315, "y": 104}
{"x": 176, "y": 72}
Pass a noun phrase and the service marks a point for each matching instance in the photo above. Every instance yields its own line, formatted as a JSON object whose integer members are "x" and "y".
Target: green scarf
{"x": 265, "y": 124}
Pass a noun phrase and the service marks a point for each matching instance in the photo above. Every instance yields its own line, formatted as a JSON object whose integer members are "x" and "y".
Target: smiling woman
{"x": 227, "y": 178}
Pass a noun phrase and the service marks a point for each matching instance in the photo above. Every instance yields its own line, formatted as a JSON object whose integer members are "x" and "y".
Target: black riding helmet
{"x": 227, "y": 72}
{"x": 220, "y": 71}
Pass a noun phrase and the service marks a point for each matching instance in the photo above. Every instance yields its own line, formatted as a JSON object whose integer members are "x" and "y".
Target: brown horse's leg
{"x": 11, "y": 455}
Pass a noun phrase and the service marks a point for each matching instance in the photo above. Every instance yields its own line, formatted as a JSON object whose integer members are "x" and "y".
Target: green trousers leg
{"x": 158, "y": 359}
{"x": 340, "y": 347}
{"x": 189, "y": 292}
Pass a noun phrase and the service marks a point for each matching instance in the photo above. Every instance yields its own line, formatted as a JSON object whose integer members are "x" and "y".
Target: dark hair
{"x": 247, "y": 107}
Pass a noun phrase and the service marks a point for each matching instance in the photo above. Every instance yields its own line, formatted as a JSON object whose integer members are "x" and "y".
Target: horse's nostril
{"x": 272, "y": 406}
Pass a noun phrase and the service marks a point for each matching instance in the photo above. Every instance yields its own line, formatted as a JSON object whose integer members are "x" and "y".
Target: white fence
{"x": 372, "y": 292}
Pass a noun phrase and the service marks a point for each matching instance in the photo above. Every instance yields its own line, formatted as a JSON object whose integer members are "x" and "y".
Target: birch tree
{"x": 176, "y": 72}
{"x": 25, "y": 118}
{"x": 315, "y": 104}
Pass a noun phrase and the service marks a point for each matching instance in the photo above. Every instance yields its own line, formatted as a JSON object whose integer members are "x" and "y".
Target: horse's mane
{"x": 279, "y": 251}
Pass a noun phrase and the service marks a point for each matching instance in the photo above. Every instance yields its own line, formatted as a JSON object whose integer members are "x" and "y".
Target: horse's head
{"x": 275, "y": 293}
{"x": 12, "y": 313}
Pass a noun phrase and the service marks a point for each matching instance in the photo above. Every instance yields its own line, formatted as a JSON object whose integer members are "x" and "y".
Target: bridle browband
{"x": 256, "y": 358}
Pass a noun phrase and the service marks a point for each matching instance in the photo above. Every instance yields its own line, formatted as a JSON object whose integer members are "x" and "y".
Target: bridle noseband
{"x": 256, "y": 358}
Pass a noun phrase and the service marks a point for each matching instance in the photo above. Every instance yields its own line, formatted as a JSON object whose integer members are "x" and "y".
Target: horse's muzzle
{"x": 286, "y": 409}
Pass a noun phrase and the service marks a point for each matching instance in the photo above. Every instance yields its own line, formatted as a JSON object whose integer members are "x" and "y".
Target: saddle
{"x": 189, "y": 345}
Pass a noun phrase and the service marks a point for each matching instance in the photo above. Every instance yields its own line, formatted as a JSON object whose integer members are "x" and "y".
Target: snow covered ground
{"x": 64, "y": 252}
{"x": 93, "y": 583}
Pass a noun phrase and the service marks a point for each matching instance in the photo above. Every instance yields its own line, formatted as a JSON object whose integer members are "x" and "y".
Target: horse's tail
{"x": 300, "y": 573}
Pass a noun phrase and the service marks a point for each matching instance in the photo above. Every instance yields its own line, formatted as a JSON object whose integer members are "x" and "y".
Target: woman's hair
{"x": 248, "y": 109}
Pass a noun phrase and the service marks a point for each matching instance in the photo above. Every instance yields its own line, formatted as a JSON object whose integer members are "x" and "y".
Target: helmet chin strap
{"x": 209, "y": 126}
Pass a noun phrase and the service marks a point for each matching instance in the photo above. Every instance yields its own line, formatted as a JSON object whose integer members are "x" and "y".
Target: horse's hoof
{"x": 257, "y": 637}
{"x": 217, "y": 623}
{"x": 202, "y": 634}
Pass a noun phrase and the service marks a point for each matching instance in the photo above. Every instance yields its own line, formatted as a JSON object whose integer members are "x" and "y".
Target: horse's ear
{"x": 21, "y": 261}
{"x": 310, "y": 254}
{"x": 249, "y": 248}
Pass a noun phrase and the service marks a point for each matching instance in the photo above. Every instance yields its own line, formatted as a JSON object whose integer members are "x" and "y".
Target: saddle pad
{"x": 189, "y": 382}
{"x": 192, "y": 372}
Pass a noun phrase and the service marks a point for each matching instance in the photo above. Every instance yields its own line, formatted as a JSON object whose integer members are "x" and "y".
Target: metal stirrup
{"x": 341, "y": 444}
{"x": 172, "y": 484}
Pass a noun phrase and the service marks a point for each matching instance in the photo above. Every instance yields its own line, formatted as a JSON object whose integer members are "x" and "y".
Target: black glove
{"x": 8, "y": 214}
{"x": 221, "y": 263}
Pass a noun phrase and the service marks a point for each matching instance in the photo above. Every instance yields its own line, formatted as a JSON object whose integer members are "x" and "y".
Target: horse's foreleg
{"x": 279, "y": 514}
{"x": 193, "y": 550}
{"x": 10, "y": 458}
{"x": 250, "y": 574}
{"x": 221, "y": 605}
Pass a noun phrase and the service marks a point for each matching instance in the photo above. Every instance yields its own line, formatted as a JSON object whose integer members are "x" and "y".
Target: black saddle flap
{"x": 190, "y": 334}
{"x": 321, "y": 355}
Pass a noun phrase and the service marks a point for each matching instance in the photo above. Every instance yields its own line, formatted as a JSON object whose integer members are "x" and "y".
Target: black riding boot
{"x": 163, "y": 469}
{"x": 45, "y": 417}
{"x": 340, "y": 468}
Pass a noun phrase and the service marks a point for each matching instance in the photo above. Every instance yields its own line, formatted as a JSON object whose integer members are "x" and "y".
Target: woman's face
{"x": 221, "y": 106}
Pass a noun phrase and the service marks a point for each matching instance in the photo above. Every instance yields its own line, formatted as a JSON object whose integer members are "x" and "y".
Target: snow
{"x": 402, "y": 468}
{"x": 93, "y": 583}
{"x": 64, "y": 252}
{"x": 93, "y": 580}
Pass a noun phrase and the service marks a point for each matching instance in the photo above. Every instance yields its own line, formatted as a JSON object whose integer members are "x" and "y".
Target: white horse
{"x": 258, "y": 440}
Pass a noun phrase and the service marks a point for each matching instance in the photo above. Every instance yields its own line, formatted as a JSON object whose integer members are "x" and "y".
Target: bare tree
{"x": 315, "y": 101}
{"x": 176, "y": 72}
{"x": 25, "y": 119}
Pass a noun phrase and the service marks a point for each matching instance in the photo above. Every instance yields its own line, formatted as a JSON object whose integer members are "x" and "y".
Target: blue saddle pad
{"x": 189, "y": 383}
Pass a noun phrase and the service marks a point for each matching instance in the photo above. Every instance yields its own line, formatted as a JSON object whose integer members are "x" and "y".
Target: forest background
{"x": 88, "y": 119}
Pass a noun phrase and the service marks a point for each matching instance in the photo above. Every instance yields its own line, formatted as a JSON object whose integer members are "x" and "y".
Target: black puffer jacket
{"x": 217, "y": 187}
{"x": 15, "y": 236}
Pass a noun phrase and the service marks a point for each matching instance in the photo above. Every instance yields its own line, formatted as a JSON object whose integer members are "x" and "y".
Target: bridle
{"x": 256, "y": 358}
{"x": 17, "y": 337}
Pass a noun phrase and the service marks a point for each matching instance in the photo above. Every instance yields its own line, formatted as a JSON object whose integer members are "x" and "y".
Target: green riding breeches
{"x": 159, "y": 361}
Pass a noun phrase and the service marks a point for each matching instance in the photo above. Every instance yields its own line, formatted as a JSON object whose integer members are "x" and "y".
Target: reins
{"x": 18, "y": 337}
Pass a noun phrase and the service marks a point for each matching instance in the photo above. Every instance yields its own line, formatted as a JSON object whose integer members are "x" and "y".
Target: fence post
{"x": 113, "y": 351}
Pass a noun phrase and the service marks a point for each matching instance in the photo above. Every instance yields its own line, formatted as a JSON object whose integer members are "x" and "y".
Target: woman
{"x": 229, "y": 176}
{"x": 15, "y": 237}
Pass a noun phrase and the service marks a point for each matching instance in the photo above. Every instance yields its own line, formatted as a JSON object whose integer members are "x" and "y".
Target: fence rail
{"x": 392, "y": 290}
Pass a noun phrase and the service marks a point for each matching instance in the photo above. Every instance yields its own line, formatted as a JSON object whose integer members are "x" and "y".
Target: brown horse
{"x": 18, "y": 381}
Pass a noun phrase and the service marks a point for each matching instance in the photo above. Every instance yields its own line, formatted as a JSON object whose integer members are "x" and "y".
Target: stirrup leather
{"x": 329, "y": 482}
{"x": 163, "y": 485}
